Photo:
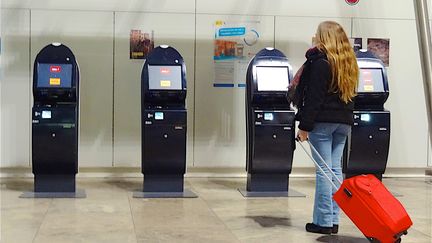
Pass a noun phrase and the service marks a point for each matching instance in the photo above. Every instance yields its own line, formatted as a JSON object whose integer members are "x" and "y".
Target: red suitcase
{"x": 371, "y": 207}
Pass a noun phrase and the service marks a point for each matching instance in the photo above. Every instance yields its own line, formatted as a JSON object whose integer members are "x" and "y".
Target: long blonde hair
{"x": 333, "y": 41}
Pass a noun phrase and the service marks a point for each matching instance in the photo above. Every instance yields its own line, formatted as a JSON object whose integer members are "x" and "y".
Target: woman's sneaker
{"x": 335, "y": 229}
{"x": 313, "y": 228}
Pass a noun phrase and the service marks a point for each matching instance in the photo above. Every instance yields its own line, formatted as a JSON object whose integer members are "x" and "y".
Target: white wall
{"x": 220, "y": 112}
{"x": 172, "y": 29}
{"x": 429, "y": 162}
{"x": 1, "y": 77}
{"x": 406, "y": 99}
{"x": 310, "y": 8}
{"x": 15, "y": 92}
{"x": 90, "y": 36}
{"x": 98, "y": 32}
{"x": 166, "y": 6}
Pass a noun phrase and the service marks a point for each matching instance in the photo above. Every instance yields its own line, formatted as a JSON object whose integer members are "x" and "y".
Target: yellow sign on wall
{"x": 219, "y": 23}
{"x": 54, "y": 81}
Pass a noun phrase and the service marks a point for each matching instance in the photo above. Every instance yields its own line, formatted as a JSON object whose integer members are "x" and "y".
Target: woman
{"x": 324, "y": 97}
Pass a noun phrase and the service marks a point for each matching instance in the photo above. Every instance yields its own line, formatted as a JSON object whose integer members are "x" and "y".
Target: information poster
{"x": 234, "y": 46}
{"x": 380, "y": 48}
{"x": 141, "y": 43}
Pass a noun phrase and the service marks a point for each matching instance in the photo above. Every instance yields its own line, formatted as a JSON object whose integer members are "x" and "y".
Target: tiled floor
{"x": 220, "y": 214}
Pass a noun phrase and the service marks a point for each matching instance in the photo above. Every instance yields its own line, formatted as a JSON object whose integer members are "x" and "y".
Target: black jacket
{"x": 315, "y": 102}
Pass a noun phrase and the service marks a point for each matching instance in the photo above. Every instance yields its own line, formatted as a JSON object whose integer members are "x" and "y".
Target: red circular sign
{"x": 352, "y": 2}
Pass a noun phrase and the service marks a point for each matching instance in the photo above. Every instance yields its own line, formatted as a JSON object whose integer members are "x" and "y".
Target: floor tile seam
{"x": 420, "y": 232}
{"x": 43, "y": 219}
{"x": 133, "y": 220}
{"x": 214, "y": 214}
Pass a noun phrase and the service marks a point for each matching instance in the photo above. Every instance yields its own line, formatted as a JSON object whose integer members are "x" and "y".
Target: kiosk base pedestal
{"x": 164, "y": 186}
{"x": 269, "y": 185}
{"x": 79, "y": 193}
{"x": 163, "y": 183}
{"x": 267, "y": 182}
{"x": 54, "y": 183}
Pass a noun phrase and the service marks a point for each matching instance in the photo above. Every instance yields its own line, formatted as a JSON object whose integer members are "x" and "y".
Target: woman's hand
{"x": 302, "y": 135}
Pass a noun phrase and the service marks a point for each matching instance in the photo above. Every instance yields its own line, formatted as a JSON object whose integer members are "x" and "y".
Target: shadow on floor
{"x": 268, "y": 221}
{"x": 341, "y": 239}
{"x": 126, "y": 185}
{"x": 228, "y": 183}
{"x": 21, "y": 185}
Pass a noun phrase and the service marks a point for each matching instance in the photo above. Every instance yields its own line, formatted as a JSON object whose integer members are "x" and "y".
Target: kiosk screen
{"x": 165, "y": 77}
{"x": 272, "y": 78}
{"x": 54, "y": 75}
{"x": 371, "y": 80}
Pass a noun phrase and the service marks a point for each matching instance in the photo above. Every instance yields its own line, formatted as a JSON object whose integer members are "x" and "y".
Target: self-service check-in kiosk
{"x": 163, "y": 109}
{"x": 368, "y": 145}
{"x": 55, "y": 123}
{"x": 270, "y": 125}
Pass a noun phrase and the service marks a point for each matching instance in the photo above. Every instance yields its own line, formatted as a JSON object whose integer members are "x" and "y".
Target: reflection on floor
{"x": 220, "y": 214}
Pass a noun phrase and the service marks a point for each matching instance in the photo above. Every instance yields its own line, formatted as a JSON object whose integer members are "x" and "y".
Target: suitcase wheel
{"x": 373, "y": 240}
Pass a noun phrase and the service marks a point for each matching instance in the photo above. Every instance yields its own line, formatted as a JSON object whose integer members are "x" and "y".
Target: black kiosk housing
{"x": 368, "y": 145}
{"x": 163, "y": 122}
{"x": 55, "y": 120}
{"x": 270, "y": 124}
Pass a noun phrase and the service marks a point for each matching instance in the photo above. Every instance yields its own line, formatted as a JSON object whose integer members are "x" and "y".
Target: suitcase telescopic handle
{"x": 318, "y": 165}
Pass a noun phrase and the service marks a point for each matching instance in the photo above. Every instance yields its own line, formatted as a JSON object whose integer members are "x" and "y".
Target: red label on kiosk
{"x": 367, "y": 76}
{"x": 55, "y": 69}
{"x": 165, "y": 71}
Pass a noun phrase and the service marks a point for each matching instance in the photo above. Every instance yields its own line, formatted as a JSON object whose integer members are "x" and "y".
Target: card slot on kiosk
{"x": 159, "y": 115}
{"x": 268, "y": 116}
{"x": 365, "y": 117}
{"x": 46, "y": 114}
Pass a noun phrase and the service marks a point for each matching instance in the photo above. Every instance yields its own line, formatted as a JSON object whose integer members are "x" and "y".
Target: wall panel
{"x": 170, "y": 6}
{"x": 312, "y": 8}
{"x": 176, "y": 30}
{"x": 15, "y": 90}
{"x": 408, "y": 145}
{"x": 98, "y": 33}
{"x": 90, "y": 36}
{"x": 220, "y": 132}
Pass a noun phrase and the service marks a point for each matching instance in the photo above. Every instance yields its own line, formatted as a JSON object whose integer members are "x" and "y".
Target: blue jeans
{"x": 329, "y": 140}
